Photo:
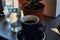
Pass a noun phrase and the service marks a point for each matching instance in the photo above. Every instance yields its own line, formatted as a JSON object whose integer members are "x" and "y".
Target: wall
{"x": 8, "y": 2}
{"x": 50, "y": 7}
{"x": 15, "y": 4}
{"x": 58, "y": 8}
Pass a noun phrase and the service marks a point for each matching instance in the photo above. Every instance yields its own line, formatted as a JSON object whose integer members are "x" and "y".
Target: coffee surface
{"x": 30, "y": 21}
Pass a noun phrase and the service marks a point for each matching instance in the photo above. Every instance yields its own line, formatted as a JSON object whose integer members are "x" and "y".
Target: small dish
{"x": 20, "y": 36}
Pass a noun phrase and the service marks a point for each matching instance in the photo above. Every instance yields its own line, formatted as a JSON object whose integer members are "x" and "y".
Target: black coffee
{"x": 30, "y": 21}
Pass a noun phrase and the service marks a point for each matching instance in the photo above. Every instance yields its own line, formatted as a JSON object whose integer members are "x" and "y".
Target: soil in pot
{"x": 35, "y": 7}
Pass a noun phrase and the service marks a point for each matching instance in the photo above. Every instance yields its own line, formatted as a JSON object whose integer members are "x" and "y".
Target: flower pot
{"x": 38, "y": 12}
{"x": 20, "y": 2}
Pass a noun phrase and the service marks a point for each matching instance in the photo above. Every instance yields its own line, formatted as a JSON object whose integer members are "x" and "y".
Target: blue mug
{"x": 31, "y": 28}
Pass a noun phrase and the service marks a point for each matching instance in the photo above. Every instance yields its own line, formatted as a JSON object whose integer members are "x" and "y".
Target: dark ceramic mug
{"x": 31, "y": 28}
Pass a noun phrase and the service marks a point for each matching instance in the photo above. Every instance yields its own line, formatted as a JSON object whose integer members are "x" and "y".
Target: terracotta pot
{"x": 38, "y": 13}
{"x": 20, "y": 2}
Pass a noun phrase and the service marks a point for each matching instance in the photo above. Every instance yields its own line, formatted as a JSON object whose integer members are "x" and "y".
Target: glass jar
{"x": 15, "y": 19}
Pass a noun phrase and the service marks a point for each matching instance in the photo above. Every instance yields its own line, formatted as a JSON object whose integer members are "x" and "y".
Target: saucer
{"x": 21, "y": 37}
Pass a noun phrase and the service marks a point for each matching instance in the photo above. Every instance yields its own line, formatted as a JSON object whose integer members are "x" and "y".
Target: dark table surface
{"x": 5, "y": 30}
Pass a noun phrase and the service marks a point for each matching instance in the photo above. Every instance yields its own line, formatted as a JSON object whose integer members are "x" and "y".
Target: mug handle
{"x": 42, "y": 26}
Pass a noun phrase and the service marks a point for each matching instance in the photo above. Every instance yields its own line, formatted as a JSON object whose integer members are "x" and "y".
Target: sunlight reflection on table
{"x": 55, "y": 30}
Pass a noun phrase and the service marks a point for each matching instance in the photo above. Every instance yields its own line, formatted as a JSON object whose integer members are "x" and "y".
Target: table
{"x": 5, "y": 30}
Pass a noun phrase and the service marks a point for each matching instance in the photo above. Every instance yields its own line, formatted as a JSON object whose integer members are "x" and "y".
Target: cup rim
{"x": 31, "y": 16}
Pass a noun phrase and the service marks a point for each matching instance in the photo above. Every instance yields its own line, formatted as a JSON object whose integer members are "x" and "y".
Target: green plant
{"x": 32, "y": 3}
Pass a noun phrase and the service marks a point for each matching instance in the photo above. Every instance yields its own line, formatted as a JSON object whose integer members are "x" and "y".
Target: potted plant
{"x": 20, "y": 2}
{"x": 33, "y": 7}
